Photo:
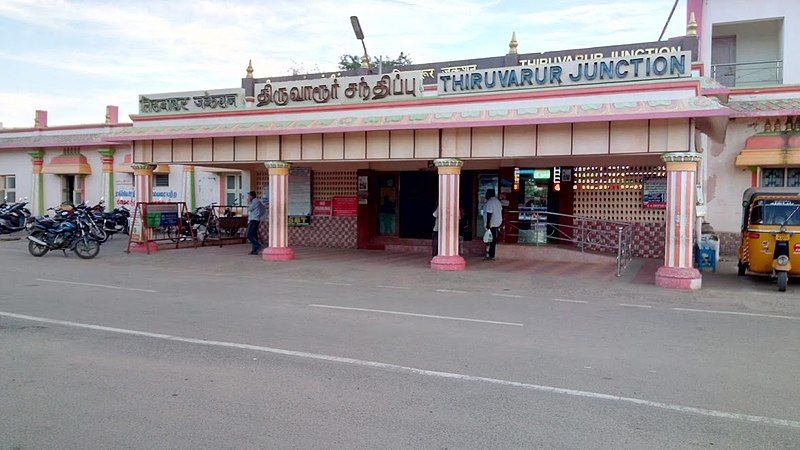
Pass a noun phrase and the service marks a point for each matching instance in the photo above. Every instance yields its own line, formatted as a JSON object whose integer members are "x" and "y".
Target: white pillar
{"x": 678, "y": 271}
{"x": 449, "y": 187}
{"x": 278, "y": 248}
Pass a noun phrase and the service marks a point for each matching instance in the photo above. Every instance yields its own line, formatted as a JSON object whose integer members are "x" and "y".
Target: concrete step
{"x": 552, "y": 252}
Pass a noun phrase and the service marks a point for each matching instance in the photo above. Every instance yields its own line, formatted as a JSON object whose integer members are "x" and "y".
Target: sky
{"x": 72, "y": 58}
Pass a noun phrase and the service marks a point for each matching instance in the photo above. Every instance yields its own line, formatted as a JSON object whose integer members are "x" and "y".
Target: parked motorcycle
{"x": 203, "y": 223}
{"x": 112, "y": 222}
{"x": 13, "y": 217}
{"x": 68, "y": 230}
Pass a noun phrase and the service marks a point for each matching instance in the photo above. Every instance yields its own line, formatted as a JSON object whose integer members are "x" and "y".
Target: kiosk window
{"x": 772, "y": 177}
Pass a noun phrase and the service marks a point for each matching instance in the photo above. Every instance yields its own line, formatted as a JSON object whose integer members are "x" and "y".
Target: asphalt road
{"x": 211, "y": 348}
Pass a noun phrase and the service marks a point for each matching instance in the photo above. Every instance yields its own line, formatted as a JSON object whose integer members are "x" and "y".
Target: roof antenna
{"x": 664, "y": 30}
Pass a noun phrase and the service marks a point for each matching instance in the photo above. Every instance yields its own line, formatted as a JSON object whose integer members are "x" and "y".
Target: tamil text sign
{"x": 339, "y": 91}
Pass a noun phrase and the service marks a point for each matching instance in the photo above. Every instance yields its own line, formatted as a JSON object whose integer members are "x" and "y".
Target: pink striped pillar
{"x": 678, "y": 271}
{"x": 449, "y": 181}
{"x": 278, "y": 249}
{"x": 143, "y": 190}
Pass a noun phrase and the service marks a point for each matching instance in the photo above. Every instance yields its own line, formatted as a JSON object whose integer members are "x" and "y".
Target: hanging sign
{"x": 569, "y": 73}
{"x": 340, "y": 91}
{"x": 654, "y": 195}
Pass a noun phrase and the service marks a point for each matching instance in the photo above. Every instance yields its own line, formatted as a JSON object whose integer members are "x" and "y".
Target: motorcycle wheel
{"x": 783, "y": 280}
{"x": 37, "y": 250}
{"x": 100, "y": 234}
{"x": 173, "y": 235}
{"x": 87, "y": 248}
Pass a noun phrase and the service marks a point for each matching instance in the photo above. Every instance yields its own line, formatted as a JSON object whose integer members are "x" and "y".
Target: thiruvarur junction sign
{"x": 408, "y": 85}
{"x": 569, "y": 73}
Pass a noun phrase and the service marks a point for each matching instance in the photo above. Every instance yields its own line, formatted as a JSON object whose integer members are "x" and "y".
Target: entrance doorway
{"x": 387, "y": 205}
{"x": 419, "y": 192}
{"x": 72, "y": 189}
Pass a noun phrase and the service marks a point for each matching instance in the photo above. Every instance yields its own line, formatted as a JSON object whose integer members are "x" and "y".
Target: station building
{"x": 50, "y": 165}
{"x": 658, "y": 136}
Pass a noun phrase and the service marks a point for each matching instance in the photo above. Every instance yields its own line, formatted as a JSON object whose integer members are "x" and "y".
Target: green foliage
{"x": 347, "y": 62}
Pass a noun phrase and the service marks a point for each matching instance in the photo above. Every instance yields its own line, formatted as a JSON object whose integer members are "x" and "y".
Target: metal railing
{"x": 748, "y": 73}
{"x": 584, "y": 233}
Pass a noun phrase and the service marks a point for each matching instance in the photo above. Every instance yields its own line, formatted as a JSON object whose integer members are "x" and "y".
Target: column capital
{"x": 277, "y": 167}
{"x": 143, "y": 169}
{"x": 188, "y": 168}
{"x": 37, "y": 155}
{"x": 448, "y": 165}
{"x": 681, "y": 161}
{"x": 106, "y": 152}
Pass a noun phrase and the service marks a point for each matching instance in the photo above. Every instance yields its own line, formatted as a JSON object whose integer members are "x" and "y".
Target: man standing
{"x": 255, "y": 209}
{"x": 493, "y": 218}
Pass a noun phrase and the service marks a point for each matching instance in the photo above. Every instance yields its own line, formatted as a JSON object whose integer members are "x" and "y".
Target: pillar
{"x": 449, "y": 179}
{"x": 189, "y": 187}
{"x": 107, "y": 155}
{"x": 37, "y": 196}
{"x": 678, "y": 271}
{"x": 143, "y": 190}
{"x": 278, "y": 248}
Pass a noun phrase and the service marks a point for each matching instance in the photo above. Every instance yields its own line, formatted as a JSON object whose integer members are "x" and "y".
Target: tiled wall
{"x": 332, "y": 232}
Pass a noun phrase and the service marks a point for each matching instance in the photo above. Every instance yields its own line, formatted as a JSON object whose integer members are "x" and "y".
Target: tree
{"x": 347, "y": 62}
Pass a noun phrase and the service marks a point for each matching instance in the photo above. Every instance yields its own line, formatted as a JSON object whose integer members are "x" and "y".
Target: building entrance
{"x": 419, "y": 193}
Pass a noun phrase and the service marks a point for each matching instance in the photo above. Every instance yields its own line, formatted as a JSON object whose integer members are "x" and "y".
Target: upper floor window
{"x": 747, "y": 53}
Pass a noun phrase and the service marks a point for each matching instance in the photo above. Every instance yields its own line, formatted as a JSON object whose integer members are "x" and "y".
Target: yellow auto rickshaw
{"x": 771, "y": 233}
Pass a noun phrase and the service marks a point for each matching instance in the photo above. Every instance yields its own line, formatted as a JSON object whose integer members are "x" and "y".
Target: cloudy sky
{"x": 74, "y": 57}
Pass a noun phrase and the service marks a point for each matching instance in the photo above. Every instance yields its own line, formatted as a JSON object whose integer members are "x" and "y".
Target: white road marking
{"x": 632, "y": 305}
{"x": 507, "y": 295}
{"x": 335, "y": 283}
{"x": 96, "y": 285}
{"x": 430, "y": 316}
{"x": 386, "y": 286}
{"x": 452, "y": 291}
{"x": 564, "y": 300}
{"x": 735, "y": 313}
{"x": 424, "y": 372}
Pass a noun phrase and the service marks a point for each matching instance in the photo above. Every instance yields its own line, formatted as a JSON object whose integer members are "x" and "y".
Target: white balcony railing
{"x": 748, "y": 73}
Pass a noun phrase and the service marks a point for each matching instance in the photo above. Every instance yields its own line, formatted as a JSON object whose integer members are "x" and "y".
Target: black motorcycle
{"x": 202, "y": 224}
{"x": 13, "y": 217}
{"x": 69, "y": 230}
{"x": 112, "y": 222}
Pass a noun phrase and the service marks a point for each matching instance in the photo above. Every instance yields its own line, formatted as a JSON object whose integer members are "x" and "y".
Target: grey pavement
{"x": 213, "y": 348}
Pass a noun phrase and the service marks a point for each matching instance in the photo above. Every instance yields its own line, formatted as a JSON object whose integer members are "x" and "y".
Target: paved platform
{"x": 214, "y": 348}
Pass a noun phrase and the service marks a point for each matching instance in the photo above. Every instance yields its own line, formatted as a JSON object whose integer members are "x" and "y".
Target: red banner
{"x": 345, "y": 206}
{"x": 322, "y": 208}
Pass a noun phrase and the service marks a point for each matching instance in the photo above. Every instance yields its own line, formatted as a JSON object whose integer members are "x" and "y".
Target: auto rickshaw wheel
{"x": 783, "y": 280}
{"x": 742, "y": 269}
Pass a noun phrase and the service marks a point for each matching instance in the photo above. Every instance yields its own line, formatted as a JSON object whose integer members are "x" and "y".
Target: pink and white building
{"x": 658, "y": 135}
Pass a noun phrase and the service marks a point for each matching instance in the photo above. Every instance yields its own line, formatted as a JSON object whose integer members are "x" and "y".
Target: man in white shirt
{"x": 493, "y": 218}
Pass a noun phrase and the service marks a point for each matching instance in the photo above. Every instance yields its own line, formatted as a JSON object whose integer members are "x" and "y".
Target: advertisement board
{"x": 345, "y": 206}
{"x": 654, "y": 193}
